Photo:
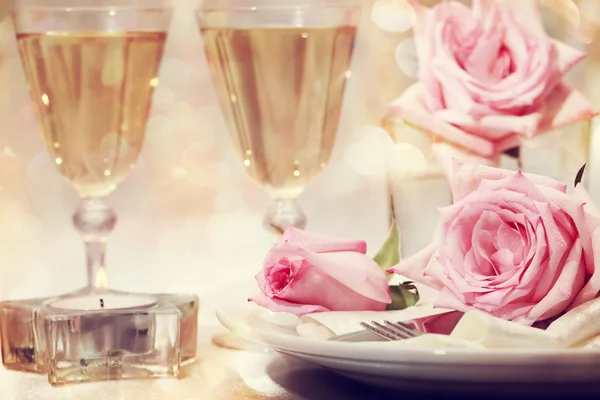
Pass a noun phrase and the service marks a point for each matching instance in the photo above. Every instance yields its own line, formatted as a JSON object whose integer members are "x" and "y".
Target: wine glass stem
{"x": 283, "y": 213}
{"x": 94, "y": 219}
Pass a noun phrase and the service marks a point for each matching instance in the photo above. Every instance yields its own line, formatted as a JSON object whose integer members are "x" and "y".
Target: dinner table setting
{"x": 299, "y": 199}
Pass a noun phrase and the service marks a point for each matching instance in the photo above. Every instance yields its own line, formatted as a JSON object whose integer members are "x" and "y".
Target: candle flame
{"x": 101, "y": 281}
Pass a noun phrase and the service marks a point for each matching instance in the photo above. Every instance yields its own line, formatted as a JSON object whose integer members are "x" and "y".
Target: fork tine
{"x": 379, "y": 332}
{"x": 405, "y": 329}
{"x": 411, "y": 328}
{"x": 396, "y": 333}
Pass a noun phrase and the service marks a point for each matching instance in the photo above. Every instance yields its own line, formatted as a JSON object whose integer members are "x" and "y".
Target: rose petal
{"x": 565, "y": 289}
{"x": 277, "y": 305}
{"x": 563, "y": 107}
{"x": 466, "y": 178}
{"x": 567, "y": 56}
{"x": 591, "y": 247}
{"x": 321, "y": 243}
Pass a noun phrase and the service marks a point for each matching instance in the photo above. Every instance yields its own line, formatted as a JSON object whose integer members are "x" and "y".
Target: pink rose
{"x": 513, "y": 245}
{"x": 308, "y": 273}
{"x": 488, "y": 74}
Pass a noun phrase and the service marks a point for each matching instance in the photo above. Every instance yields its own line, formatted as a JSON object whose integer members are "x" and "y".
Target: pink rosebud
{"x": 513, "y": 245}
{"x": 308, "y": 273}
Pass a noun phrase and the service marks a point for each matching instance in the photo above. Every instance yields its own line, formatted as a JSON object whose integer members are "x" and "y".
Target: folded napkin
{"x": 579, "y": 327}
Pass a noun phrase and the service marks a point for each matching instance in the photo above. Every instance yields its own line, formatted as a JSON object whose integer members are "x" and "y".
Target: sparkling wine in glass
{"x": 280, "y": 71}
{"x": 92, "y": 92}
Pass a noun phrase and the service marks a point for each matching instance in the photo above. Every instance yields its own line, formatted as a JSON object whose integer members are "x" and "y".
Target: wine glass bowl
{"x": 91, "y": 74}
{"x": 280, "y": 74}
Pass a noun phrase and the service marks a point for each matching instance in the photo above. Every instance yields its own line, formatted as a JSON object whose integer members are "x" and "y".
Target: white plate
{"x": 384, "y": 364}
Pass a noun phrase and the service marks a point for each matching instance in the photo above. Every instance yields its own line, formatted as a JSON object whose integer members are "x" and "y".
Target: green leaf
{"x": 579, "y": 176}
{"x": 389, "y": 254}
{"x": 403, "y": 296}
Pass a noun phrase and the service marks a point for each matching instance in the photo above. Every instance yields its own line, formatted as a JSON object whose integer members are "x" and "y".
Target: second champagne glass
{"x": 280, "y": 71}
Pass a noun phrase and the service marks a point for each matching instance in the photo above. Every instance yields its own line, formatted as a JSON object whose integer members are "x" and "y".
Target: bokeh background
{"x": 188, "y": 216}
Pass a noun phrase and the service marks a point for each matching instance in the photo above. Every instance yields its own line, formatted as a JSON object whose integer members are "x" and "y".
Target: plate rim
{"x": 278, "y": 340}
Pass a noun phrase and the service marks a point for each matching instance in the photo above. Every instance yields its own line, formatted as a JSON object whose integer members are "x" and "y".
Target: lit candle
{"x": 107, "y": 324}
{"x": 105, "y": 301}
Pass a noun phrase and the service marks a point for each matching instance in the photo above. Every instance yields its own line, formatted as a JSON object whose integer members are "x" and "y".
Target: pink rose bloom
{"x": 489, "y": 74}
{"x": 513, "y": 245}
{"x": 307, "y": 273}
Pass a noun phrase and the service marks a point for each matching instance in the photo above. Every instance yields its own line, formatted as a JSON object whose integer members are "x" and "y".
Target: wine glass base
{"x": 73, "y": 339}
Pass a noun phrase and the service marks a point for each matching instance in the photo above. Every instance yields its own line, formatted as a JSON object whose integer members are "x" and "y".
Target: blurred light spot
{"x": 406, "y": 161}
{"x": 249, "y": 152}
{"x": 47, "y": 192}
{"x": 201, "y": 169}
{"x": 233, "y": 98}
{"x": 178, "y": 172}
{"x": 45, "y": 99}
{"x": 230, "y": 227}
{"x": 364, "y": 154}
{"x": 348, "y": 74}
{"x": 163, "y": 97}
{"x": 56, "y": 145}
{"x": 304, "y": 35}
{"x": 154, "y": 81}
{"x": 590, "y": 9}
{"x": 247, "y": 162}
{"x": 403, "y": 133}
{"x": 393, "y": 15}
{"x": 113, "y": 70}
{"x": 181, "y": 110}
{"x": 229, "y": 198}
{"x": 159, "y": 130}
{"x": 566, "y": 9}
{"x": 296, "y": 173}
{"x": 8, "y": 152}
{"x": 58, "y": 160}
{"x": 112, "y": 12}
{"x": 112, "y": 144}
{"x": 406, "y": 57}
{"x": 175, "y": 70}
{"x": 107, "y": 172}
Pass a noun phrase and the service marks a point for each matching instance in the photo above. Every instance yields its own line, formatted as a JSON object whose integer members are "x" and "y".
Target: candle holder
{"x": 99, "y": 335}
{"x": 91, "y": 68}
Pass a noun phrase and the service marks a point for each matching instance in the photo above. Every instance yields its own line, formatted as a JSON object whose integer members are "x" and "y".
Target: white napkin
{"x": 579, "y": 327}
{"x": 496, "y": 333}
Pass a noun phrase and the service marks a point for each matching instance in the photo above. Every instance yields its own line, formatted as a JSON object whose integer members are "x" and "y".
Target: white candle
{"x": 106, "y": 301}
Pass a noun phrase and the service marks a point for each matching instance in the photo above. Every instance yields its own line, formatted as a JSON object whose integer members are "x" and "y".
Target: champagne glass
{"x": 91, "y": 72}
{"x": 91, "y": 68}
{"x": 280, "y": 71}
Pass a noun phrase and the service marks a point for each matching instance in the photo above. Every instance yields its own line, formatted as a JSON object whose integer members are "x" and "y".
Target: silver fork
{"x": 388, "y": 331}
{"x": 391, "y": 330}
